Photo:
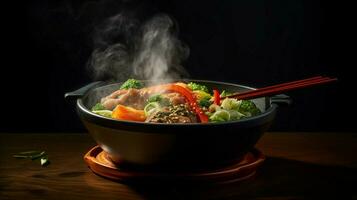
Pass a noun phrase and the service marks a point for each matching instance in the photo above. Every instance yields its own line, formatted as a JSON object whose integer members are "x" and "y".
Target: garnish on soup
{"x": 172, "y": 103}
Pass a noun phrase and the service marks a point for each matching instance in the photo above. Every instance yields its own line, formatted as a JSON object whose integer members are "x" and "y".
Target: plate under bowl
{"x": 100, "y": 163}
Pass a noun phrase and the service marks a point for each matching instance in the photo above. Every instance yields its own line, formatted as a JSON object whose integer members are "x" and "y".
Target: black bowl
{"x": 174, "y": 146}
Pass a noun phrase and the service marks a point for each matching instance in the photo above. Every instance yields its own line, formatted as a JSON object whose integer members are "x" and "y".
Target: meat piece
{"x": 183, "y": 119}
{"x": 110, "y": 104}
{"x": 115, "y": 94}
{"x": 137, "y": 98}
{"x": 132, "y": 97}
{"x": 173, "y": 114}
{"x": 175, "y": 98}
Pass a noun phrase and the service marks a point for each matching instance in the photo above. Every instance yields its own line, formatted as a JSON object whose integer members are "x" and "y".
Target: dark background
{"x": 46, "y": 45}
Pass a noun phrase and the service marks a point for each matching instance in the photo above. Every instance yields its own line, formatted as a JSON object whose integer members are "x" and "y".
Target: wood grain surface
{"x": 298, "y": 166}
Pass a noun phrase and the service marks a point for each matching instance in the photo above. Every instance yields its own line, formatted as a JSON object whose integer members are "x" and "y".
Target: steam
{"x": 149, "y": 51}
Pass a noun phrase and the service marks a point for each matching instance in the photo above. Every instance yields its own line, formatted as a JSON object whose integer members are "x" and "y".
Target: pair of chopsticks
{"x": 281, "y": 88}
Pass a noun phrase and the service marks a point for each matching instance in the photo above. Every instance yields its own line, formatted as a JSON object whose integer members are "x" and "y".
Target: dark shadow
{"x": 276, "y": 178}
{"x": 39, "y": 176}
{"x": 71, "y": 174}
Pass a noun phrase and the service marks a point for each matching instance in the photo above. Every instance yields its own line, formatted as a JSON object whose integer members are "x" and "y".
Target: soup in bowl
{"x": 186, "y": 124}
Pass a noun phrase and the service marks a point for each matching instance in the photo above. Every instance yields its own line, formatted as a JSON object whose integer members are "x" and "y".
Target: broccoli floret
{"x": 205, "y": 101}
{"x": 132, "y": 83}
{"x": 155, "y": 98}
{"x": 158, "y": 98}
{"x": 248, "y": 107}
{"x": 98, "y": 106}
{"x": 195, "y": 86}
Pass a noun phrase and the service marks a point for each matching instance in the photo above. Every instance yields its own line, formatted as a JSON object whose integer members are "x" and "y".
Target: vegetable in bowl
{"x": 131, "y": 83}
{"x": 232, "y": 109}
{"x": 172, "y": 103}
{"x": 164, "y": 141}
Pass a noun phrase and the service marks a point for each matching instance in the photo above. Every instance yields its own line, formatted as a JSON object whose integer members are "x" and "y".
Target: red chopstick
{"x": 283, "y": 87}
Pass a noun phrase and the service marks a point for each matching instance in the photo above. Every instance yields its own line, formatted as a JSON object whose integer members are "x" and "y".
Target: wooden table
{"x": 299, "y": 165}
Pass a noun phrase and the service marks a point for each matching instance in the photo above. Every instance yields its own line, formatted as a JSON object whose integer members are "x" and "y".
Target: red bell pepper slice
{"x": 216, "y": 97}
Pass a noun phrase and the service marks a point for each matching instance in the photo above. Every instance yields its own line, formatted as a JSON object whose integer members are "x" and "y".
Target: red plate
{"x": 99, "y": 162}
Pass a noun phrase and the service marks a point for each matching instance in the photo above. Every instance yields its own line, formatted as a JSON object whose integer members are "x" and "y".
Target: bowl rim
{"x": 268, "y": 112}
